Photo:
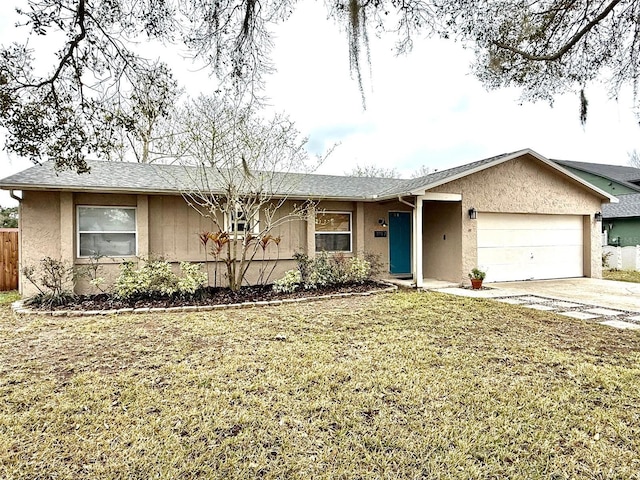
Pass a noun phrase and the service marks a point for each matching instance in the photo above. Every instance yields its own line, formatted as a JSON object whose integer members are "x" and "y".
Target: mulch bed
{"x": 213, "y": 296}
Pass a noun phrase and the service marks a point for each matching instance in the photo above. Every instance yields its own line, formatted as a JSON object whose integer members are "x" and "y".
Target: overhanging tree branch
{"x": 575, "y": 39}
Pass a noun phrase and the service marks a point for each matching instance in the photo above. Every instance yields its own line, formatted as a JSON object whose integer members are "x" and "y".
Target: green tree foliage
{"x": 8, "y": 217}
{"x": 545, "y": 48}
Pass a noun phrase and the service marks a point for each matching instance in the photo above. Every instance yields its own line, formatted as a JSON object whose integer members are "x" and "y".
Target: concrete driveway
{"x": 611, "y": 303}
{"x": 592, "y": 291}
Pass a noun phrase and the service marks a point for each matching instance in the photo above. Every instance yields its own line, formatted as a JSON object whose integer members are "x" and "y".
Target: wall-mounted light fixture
{"x": 473, "y": 213}
{"x": 598, "y": 217}
{"x": 382, "y": 222}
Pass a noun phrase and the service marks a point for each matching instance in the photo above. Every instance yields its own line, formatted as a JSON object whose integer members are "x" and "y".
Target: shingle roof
{"x": 127, "y": 177}
{"x": 628, "y": 206}
{"x": 620, "y": 173}
{"x": 439, "y": 177}
{"x": 135, "y": 177}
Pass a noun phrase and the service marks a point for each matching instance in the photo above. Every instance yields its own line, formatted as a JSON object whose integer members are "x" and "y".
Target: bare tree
{"x": 139, "y": 125}
{"x": 242, "y": 169}
{"x": 372, "y": 171}
{"x": 634, "y": 159}
{"x": 421, "y": 171}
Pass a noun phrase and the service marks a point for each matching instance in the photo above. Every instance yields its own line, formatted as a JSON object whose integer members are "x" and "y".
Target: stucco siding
{"x": 524, "y": 185}
{"x": 441, "y": 237}
{"x": 39, "y": 232}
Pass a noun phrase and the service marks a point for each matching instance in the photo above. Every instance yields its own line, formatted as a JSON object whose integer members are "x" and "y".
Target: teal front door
{"x": 400, "y": 243}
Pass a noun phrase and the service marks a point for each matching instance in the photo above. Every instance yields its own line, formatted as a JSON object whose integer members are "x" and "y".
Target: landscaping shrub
{"x": 193, "y": 279}
{"x": 305, "y": 265}
{"x": 156, "y": 279}
{"x": 325, "y": 270}
{"x": 322, "y": 272}
{"x": 359, "y": 270}
{"x": 54, "y": 281}
{"x": 289, "y": 283}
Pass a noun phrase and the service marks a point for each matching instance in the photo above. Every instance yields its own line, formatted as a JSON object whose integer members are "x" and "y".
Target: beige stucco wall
{"x": 525, "y": 185}
{"x": 166, "y": 227}
{"x": 39, "y": 232}
{"x": 442, "y": 237}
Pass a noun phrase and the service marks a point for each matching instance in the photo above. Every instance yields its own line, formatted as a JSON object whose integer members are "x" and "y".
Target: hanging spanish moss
{"x": 358, "y": 38}
{"x": 584, "y": 105}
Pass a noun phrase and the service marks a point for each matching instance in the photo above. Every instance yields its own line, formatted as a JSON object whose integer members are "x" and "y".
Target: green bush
{"x": 322, "y": 272}
{"x": 325, "y": 270}
{"x": 54, "y": 281}
{"x": 359, "y": 270}
{"x": 289, "y": 283}
{"x": 156, "y": 279}
{"x": 193, "y": 279}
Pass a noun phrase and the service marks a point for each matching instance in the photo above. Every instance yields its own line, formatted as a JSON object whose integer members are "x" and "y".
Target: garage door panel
{"x": 522, "y": 247}
{"x": 519, "y": 221}
{"x": 518, "y": 238}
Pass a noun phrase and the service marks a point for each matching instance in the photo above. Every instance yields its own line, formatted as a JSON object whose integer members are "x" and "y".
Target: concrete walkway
{"x": 592, "y": 291}
{"x": 612, "y": 303}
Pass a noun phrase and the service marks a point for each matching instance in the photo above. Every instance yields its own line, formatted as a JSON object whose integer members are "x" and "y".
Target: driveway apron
{"x": 609, "y": 302}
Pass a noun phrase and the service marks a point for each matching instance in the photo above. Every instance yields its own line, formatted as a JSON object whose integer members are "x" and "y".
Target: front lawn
{"x": 9, "y": 297}
{"x": 622, "y": 275}
{"x": 404, "y": 385}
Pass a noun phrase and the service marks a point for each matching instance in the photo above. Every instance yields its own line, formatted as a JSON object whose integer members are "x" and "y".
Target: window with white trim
{"x": 106, "y": 231}
{"x": 240, "y": 221}
{"x": 333, "y": 231}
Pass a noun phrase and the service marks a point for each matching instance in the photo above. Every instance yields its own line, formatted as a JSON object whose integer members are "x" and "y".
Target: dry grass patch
{"x": 622, "y": 275}
{"x": 9, "y": 297}
{"x": 404, "y": 385}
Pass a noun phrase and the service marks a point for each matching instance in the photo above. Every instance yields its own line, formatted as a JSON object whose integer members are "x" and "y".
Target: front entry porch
{"x": 433, "y": 238}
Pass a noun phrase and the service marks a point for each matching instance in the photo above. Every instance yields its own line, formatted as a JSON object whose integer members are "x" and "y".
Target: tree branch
{"x": 73, "y": 45}
{"x": 567, "y": 46}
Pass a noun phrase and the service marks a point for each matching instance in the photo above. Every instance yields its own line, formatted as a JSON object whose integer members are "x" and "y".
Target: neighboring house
{"x": 621, "y": 221}
{"x": 518, "y": 215}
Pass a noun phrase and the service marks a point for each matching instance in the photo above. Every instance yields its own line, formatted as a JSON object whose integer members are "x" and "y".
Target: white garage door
{"x": 525, "y": 247}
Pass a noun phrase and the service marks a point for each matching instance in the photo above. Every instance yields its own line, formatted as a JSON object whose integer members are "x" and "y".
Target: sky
{"x": 423, "y": 108}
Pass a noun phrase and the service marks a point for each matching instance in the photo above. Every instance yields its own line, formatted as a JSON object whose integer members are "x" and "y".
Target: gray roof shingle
{"x": 439, "y": 177}
{"x": 628, "y": 206}
{"x": 127, "y": 177}
{"x": 157, "y": 178}
{"x": 620, "y": 173}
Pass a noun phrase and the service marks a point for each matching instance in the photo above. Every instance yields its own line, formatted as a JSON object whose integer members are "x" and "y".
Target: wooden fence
{"x": 8, "y": 259}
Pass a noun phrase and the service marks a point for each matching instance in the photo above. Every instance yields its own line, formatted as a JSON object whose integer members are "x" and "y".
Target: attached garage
{"x": 530, "y": 247}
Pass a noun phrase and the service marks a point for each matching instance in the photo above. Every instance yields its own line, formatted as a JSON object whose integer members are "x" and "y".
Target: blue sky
{"x": 424, "y": 108}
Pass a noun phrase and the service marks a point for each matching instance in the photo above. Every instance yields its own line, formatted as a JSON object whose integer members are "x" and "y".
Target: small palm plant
{"x": 477, "y": 276}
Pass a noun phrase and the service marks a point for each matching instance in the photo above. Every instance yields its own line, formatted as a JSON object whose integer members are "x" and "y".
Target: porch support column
{"x": 143, "y": 226}
{"x": 67, "y": 253}
{"x": 359, "y": 251}
{"x": 417, "y": 241}
{"x": 311, "y": 232}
